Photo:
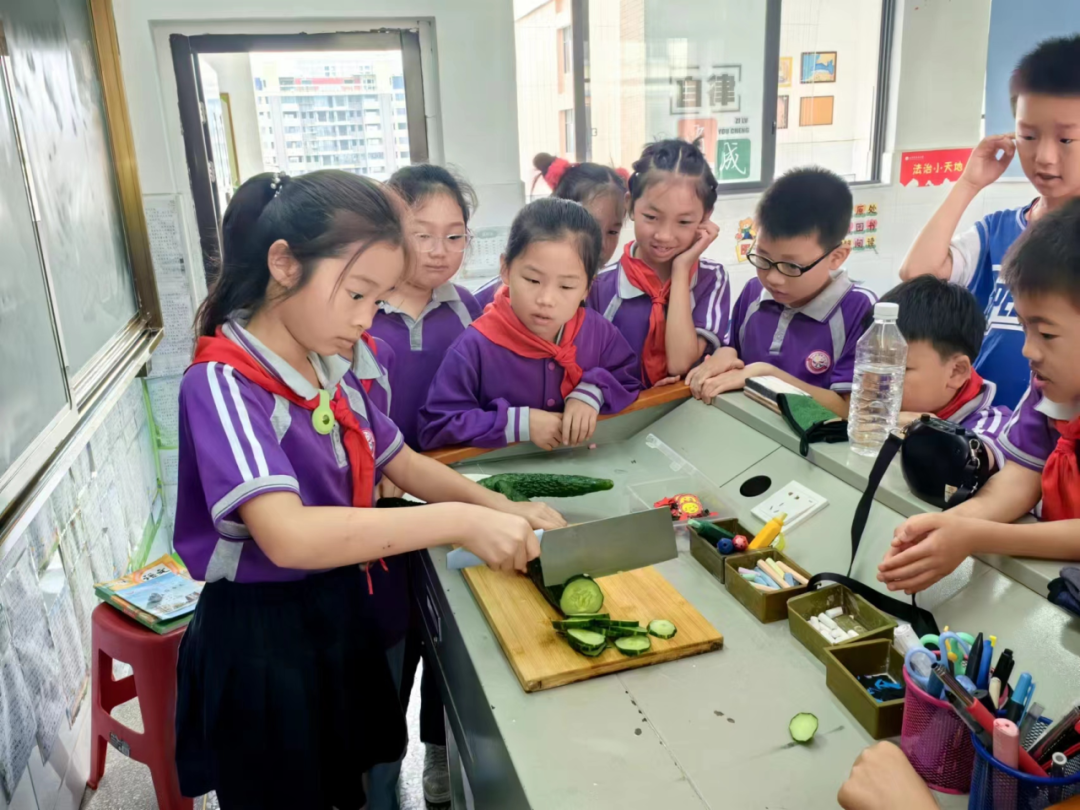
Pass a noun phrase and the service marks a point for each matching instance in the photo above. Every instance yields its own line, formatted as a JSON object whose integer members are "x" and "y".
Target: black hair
{"x": 1052, "y": 69}
{"x": 583, "y": 182}
{"x": 551, "y": 219}
{"x": 678, "y": 157}
{"x": 317, "y": 214}
{"x": 1045, "y": 260}
{"x": 422, "y": 180}
{"x": 810, "y": 201}
{"x": 945, "y": 315}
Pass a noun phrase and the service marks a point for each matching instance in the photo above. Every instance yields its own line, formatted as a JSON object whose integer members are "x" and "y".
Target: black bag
{"x": 921, "y": 620}
{"x": 943, "y": 463}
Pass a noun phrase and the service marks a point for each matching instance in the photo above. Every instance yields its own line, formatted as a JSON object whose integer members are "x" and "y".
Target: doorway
{"x": 294, "y": 103}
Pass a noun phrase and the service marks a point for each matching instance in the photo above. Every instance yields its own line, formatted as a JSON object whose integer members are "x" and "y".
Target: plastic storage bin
{"x": 801, "y": 608}
{"x": 937, "y": 743}
{"x": 998, "y": 787}
{"x": 768, "y": 607}
{"x": 845, "y": 663}
{"x": 705, "y": 552}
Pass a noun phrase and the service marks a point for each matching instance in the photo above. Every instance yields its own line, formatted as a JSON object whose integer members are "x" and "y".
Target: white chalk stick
{"x": 832, "y": 613}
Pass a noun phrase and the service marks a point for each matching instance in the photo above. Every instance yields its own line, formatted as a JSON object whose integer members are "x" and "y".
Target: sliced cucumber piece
{"x": 567, "y": 624}
{"x": 580, "y": 596}
{"x": 803, "y": 727}
{"x": 614, "y": 623}
{"x": 633, "y": 645}
{"x": 586, "y": 642}
{"x": 612, "y": 631}
{"x": 662, "y": 628}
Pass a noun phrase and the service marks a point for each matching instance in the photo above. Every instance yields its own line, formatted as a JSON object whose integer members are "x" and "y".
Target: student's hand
{"x": 387, "y": 489}
{"x": 706, "y": 234}
{"x": 505, "y": 542}
{"x": 984, "y": 167}
{"x": 578, "y": 422}
{"x": 733, "y": 380}
{"x": 539, "y": 515}
{"x": 927, "y": 548}
{"x": 545, "y": 428}
{"x": 666, "y": 381}
{"x": 883, "y": 779}
{"x": 721, "y": 361}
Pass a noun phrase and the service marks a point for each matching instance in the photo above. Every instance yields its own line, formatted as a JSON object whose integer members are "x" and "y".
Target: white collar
{"x": 626, "y": 290}
{"x": 977, "y": 403}
{"x": 365, "y": 365}
{"x": 1061, "y": 411}
{"x": 329, "y": 370}
{"x": 444, "y": 293}
{"x": 822, "y": 305}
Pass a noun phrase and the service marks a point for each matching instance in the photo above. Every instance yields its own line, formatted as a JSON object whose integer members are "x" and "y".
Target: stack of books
{"x": 764, "y": 391}
{"x": 161, "y": 596}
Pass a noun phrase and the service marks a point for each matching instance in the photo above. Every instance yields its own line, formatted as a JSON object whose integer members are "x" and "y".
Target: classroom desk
{"x": 707, "y": 731}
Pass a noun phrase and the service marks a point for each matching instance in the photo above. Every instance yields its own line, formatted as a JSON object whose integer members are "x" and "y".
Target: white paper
{"x": 178, "y": 315}
{"x": 62, "y": 501}
{"x": 21, "y": 599}
{"x": 81, "y": 582}
{"x": 17, "y": 722}
{"x": 166, "y": 237}
{"x": 101, "y": 554}
{"x": 165, "y": 405}
{"x": 170, "y": 467}
{"x": 41, "y": 536}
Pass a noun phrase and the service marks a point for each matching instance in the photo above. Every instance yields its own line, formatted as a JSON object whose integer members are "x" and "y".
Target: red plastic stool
{"x": 153, "y": 658}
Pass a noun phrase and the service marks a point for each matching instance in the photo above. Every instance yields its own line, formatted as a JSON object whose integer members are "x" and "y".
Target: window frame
{"x": 579, "y": 26}
{"x": 92, "y": 390}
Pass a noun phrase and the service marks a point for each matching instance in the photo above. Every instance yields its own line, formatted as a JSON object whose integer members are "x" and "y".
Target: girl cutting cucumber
{"x": 287, "y": 666}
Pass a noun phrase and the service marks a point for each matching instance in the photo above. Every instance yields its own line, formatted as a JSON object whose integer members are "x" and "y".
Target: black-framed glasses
{"x": 786, "y": 268}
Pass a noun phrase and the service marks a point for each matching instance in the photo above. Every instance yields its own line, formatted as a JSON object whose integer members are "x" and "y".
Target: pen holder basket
{"x": 995, "y": 786}
{"x": 936, "y": 741}
{"x": 706, "y": 553}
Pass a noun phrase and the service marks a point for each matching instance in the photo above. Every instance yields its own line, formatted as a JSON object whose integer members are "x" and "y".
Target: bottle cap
{"x": 886, "y": 312}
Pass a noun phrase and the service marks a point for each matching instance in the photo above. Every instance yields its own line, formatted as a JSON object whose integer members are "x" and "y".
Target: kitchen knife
{"x": 598, "y": 548}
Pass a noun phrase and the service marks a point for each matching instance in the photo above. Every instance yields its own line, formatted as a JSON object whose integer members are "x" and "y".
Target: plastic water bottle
{"x": 878, "y": 387}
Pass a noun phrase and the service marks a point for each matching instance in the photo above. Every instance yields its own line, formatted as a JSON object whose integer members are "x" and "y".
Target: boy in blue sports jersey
{"x": 1045, "y": 92}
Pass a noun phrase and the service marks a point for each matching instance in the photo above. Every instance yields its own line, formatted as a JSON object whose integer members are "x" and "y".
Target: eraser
{"x": 832, "y": 613}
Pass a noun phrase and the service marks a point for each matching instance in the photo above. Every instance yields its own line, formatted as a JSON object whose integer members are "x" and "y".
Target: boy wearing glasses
{"x": 800, "y": 319}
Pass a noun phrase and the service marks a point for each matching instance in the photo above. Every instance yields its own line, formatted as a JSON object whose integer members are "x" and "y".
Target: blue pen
{"x": 983, "y": 679}
{"x": 1027, "y": 701}
{"x": 1015, "y": 707}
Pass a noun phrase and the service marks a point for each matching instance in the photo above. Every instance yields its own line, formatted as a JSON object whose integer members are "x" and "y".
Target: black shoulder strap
{"x": 862, "y": 511}
{"x": 922, "y": 620}
{"x": 789, "y": 417}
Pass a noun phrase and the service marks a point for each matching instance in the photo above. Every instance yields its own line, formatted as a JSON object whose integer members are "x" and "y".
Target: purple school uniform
{"x": 814, "y": 342}
{"x": 985, "y": 419}
{"x": 376, "y": 368}
{"x": 486, "y": 294}
{"x": 1028, "y": 438}
{"x": 418, "y": 347}
{"x": 624, "y": 305}
{"x": 239, "y": 441}
{"x": 482, "y": 393}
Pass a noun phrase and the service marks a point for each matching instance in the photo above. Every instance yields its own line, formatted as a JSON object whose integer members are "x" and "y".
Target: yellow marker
{"x": 769, "y": 532}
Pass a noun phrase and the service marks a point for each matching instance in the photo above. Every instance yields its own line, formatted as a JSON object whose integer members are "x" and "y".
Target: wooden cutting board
{"x": 521, "y": 619}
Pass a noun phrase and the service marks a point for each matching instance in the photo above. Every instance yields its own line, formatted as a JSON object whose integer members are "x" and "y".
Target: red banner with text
{"x": 934, "y": 167}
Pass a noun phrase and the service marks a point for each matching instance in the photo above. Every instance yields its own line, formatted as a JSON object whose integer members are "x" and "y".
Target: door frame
{"x": 194, "y": 124}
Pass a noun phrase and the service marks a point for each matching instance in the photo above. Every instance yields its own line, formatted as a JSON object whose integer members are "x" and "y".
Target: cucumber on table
{"x": 581, "y": 595}
{"x": 633, "y": 645}
{"x": 803, "y": 727}
{"x": 523, "y": 486}
{"x": 662, "y": 628}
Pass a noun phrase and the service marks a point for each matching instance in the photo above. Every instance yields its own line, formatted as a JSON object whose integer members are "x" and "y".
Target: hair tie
{"x": 555, "y": 172}
{"x": 277, "y": 182}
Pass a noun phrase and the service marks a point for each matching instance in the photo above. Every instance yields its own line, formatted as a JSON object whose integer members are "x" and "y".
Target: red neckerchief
{"x": 502, "y": 327}
{"x": 971, "y": 389}
{"x": 369, "y": 341}
{"x": 654, "y": 353}
{"x": 220, "y": 349}
{"x": 1061, "y": 476}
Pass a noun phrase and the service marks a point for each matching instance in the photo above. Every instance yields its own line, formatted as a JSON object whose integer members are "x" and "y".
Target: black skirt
{"x": 284, "y": 696}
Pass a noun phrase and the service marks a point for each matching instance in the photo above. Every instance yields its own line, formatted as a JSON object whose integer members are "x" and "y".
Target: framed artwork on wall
{"x": 815, "y": 111}
{"x": 784, "y": 79}
{"x": 819, "y": 67}
{"x": 781, "y": 112}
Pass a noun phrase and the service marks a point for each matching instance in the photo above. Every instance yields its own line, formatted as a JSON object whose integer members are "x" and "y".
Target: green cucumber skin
{"x": 576, "y": 585}
{"x": 523, "y": 486}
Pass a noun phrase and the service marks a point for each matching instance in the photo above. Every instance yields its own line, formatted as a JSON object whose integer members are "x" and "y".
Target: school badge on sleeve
{"x": 818, "y": 362}
{"x": 370, "y": 439}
